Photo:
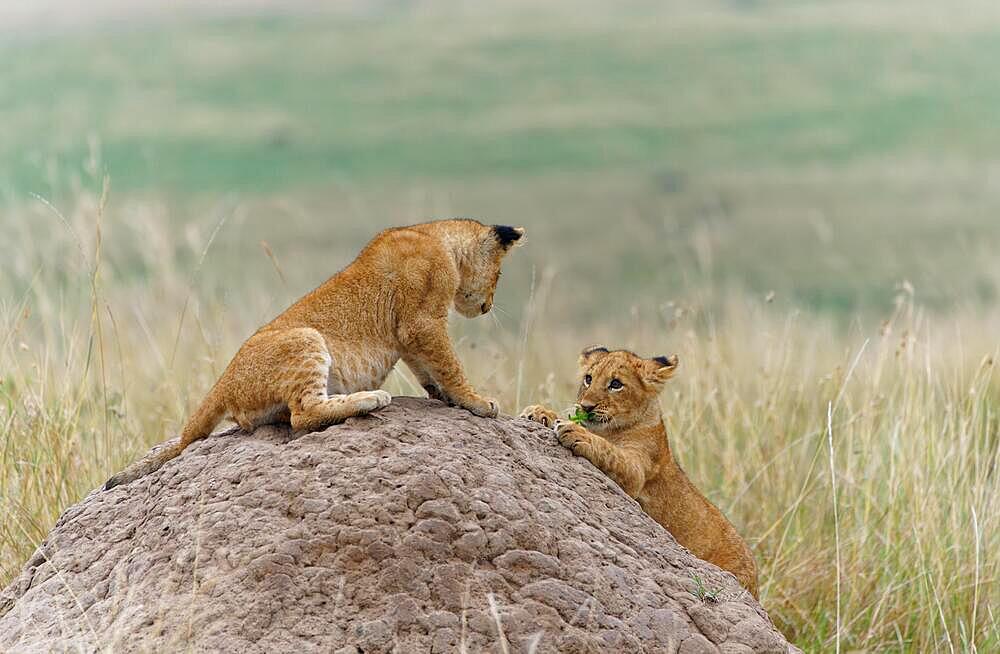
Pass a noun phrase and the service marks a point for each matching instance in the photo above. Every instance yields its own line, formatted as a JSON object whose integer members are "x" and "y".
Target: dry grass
{"x": 860, "y": 462}
{"x": 823, "y": 151}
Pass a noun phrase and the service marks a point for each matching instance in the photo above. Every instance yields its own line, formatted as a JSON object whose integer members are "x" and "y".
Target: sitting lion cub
{"x": 624, "y": 436}
{"x": 321, "y": 361}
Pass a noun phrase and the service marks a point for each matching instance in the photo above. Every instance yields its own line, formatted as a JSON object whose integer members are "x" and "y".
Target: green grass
{"x": 261, "y": 104}
{"x": 857, "y": 156}
{"x": 767, "y": 189}
{"x": 581, "y": 416}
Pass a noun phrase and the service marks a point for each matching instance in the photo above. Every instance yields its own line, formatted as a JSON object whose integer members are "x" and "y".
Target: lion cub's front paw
{"x": 372, "y": 400}
{"x": 540, "y": 414}
{"x": 484, "y": 407}
{"x": 571, "y": 435}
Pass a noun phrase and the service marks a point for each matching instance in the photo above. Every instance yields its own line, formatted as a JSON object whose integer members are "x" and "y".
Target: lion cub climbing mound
{"x": 624, "y": 436}
{"x": 321, "y": 360}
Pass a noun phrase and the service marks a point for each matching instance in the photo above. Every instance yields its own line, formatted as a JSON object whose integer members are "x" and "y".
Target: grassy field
{"x": 797, "y": 198}
{"x": 855, "y": 147}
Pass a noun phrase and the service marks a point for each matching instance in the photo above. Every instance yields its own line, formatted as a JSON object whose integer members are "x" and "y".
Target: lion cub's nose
{"x": 485, "y": 307}
{"x": 587, "y": 408}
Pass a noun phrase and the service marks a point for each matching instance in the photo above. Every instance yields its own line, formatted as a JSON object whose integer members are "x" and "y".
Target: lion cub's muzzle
{"x": 597, "y": 415}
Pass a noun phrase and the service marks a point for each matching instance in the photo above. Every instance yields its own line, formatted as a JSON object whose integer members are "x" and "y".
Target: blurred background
{"x": 798, "y": 197}
{"x": 823, "y": 151}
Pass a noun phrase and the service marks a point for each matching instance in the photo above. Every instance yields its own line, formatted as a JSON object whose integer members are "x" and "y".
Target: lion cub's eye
{"x": 616, "y": 385}
{"x": 587, "y": 379}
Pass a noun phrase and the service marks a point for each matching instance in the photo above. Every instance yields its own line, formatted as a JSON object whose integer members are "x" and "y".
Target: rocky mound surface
{"x": 418, "y": 529}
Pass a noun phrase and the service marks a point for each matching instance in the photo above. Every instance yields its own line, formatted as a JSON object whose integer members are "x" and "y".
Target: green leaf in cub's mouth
{"x": 581, "y": 416}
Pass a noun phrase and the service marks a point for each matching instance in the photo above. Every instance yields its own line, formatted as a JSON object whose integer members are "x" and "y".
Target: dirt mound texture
{"x": 421, "y": 528}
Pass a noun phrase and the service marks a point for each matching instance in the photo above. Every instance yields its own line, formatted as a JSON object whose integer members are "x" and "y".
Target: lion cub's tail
{"x": 198, "y": 426}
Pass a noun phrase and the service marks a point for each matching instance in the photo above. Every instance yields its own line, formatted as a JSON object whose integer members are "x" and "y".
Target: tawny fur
{"x": 321, "y": 361}
{"x": 626, "y": 439}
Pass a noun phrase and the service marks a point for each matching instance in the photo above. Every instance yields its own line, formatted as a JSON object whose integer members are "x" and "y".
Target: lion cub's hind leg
{"x": 734, "y": 555}
{"x": 275, "y": 414}
{"x": 284, "y": 373}
{"x": 314, "y": 412}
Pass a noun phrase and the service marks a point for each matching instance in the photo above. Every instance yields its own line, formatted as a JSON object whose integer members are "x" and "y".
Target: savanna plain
{"x": 799, "y": 199}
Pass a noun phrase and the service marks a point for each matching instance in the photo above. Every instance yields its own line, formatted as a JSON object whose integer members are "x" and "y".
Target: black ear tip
{"x": 506, "y": 234}
{"x": 595, "y": 349}
{"x": 666, "y": 361}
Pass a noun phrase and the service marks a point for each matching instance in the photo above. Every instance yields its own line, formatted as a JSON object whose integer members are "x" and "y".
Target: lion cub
{"x": 321, "y": 360}
{"x": 625, "y": 437}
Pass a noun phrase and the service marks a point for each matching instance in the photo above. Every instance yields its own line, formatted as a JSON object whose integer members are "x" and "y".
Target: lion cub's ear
{"x": 658, "y": 370}
{"x": 592, "y": 355}
{"x": 508, "y": 236}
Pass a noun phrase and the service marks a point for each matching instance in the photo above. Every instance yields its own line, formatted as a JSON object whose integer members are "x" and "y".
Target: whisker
{"x": 496, "y": 320}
